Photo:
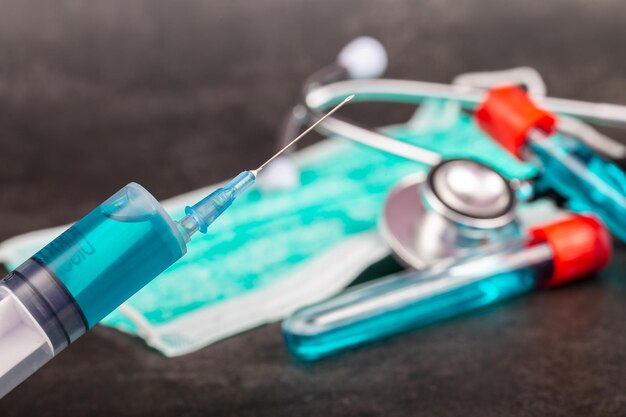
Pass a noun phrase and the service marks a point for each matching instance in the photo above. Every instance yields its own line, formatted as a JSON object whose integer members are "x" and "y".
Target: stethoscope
{"x": 459, "y": 204}
{"x": 460, "y": 225}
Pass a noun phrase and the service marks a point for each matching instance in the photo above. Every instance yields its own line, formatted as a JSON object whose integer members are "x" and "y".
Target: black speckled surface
{"x": 171, "y": 93}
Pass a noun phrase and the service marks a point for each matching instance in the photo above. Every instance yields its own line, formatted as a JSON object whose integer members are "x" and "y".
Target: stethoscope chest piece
{"x": 458, "y": 206}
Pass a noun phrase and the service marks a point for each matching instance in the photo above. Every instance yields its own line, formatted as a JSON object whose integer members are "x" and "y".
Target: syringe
{"x": 93, "y": 267}
{"x": 203, "y": 213}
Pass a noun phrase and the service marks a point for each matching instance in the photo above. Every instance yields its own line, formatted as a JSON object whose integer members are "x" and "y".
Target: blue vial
{"x": 393, "y": 306}
{"x": 551, "y": 255}
{"x": 590, "y": 183}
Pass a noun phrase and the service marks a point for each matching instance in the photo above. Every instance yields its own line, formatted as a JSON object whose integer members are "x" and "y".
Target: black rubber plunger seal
{"x": 48, "y": 301}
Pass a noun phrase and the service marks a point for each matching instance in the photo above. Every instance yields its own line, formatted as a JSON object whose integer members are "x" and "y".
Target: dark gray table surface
{"x": 179, "y": 94}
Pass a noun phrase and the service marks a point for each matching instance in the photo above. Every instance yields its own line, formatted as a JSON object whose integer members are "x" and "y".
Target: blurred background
{"x": 177, "y": 95}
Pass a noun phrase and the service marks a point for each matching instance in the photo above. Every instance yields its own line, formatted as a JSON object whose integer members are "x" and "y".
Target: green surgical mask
{"x": 273, "y": 252}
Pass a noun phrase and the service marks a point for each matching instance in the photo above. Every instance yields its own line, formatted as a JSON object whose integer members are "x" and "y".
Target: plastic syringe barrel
{"x": 38, "y": 319}
{"x": 80, "y": 277}
{"x": 553, "y": 254}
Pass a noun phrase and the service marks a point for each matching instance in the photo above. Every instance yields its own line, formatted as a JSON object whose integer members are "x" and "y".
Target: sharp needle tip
{"x": 334, "y": 109}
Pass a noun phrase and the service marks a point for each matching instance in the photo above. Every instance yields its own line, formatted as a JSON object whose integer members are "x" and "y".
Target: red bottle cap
{"x": 580, "y": 245}
{"x": 508, "y": 114}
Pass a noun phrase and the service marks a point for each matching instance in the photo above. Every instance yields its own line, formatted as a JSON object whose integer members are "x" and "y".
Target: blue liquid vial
{"x": 590, "y": 183}
{"x": 394, "y": 305}
{"x": 551, "y": 255}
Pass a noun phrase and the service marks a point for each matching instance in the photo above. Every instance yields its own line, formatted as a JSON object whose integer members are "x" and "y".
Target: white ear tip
{"x": 280, "y": 174}
{"x": 364, "y": 57}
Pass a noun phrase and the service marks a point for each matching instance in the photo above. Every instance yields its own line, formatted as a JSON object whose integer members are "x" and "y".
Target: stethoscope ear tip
{"x": 279, "y": 175}
{"x": 363, "y": 57}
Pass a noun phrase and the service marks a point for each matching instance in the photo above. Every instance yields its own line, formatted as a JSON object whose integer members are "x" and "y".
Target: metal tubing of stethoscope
{"x": 414, "y": 92}
{"x": 379, "y": 141}
{"x": 351, "y": 131}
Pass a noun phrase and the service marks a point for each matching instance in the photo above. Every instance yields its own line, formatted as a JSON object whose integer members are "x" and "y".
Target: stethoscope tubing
{"x": 415, "y": 92}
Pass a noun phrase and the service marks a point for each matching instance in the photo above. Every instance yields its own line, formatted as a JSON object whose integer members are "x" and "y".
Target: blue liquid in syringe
{"x": 114, "y": 251}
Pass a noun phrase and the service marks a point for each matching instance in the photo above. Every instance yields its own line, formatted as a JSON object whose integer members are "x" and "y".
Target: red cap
{"x": 580, "y": 245}
{"x": 508, "y": 114}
